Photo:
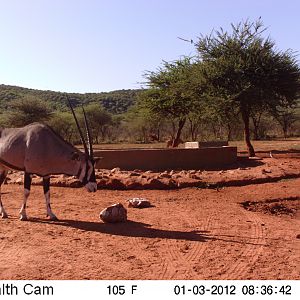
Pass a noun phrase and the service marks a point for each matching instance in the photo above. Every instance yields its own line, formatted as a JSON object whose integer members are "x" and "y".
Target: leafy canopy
{"x": 171, "y": 89}
{"x": 245, "y": 68}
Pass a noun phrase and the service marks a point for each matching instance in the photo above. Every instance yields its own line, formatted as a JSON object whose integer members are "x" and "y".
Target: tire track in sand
{"x": 252, "y": 248}
{"x": 178, "y": 261}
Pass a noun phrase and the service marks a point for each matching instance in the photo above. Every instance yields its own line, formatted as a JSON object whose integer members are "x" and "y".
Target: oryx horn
{"x": 88, "y": 133}
{"x": 78, "y": 127}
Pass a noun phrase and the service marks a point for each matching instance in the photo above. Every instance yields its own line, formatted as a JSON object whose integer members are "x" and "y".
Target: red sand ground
{"x": 189, "y": 233}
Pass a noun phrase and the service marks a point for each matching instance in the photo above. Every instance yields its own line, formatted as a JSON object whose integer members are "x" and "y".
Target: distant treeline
{"x": 117, "y": 117}
{"x": 115, "y": 102}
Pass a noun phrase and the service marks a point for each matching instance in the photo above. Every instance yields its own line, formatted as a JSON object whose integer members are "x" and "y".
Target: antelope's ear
{"x": 75, "y": 156}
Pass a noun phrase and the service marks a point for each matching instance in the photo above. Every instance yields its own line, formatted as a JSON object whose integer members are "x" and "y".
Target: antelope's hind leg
{"x": 27, "y": 185}
{"x": 3, "y": 175}
{"x": 46, "y": 186}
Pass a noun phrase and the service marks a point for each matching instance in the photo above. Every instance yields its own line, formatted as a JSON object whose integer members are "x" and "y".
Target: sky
{"x": 103, "y": 45}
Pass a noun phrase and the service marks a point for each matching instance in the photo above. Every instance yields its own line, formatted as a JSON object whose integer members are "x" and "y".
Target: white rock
{"x": 115, "y": 170}
{"x": 114, "y": 213}
{"x": 138, "y": 203}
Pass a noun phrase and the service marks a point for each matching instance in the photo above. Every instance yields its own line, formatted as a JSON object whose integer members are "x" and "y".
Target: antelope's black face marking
{"x": 90, "y": 184}
{"x": 86, "y": 175}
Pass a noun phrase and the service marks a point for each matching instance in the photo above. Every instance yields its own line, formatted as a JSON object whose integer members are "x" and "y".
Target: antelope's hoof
{"x": 52, "y": 218}
{"x": 23, "y": 218}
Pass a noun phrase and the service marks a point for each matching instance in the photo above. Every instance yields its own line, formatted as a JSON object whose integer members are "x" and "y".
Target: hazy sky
{"x": 97, "y": 45}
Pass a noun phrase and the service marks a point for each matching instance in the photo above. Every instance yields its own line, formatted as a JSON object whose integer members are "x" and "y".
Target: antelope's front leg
{"x": 46, "y": 185}
{"x": 27, "y": 185}
{"x": 3, "y": 213}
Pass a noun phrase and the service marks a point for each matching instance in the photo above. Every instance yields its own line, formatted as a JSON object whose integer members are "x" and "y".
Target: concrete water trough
{"x": 205, "y": 144}
{"x": 166, "y": 159}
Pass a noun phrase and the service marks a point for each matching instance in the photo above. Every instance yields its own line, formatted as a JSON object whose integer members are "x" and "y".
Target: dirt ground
{"x": 235, "y": 232}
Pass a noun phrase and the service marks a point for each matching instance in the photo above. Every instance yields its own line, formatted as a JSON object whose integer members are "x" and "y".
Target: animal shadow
{"x": 130, "y": 229}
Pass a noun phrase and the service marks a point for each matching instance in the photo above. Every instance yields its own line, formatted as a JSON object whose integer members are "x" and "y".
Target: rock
{"x": 264, "y": 171}
{"x": 133, "y": 183}
{"x": 115, "y": 170}
{"x": 155, "y": 184}
{"x": 114, "y": 213}
{"x": 138, "y": 203}
{"x": 168, "y": 183}
{"x": 183, "y": 173}
{"x": 176, "y": 176}
{"x": 74, "y": 183}
{"x": 37, "y": 181}
{"x": 195, "y": 176}
{"x": 59, "y": 182}
{"x": 101, "y": 183}
{"x": 115, "y": 184}
{"x": 164, "y": 175}
{"x": 133, "y": 174}
{"x": 19, "y": 181}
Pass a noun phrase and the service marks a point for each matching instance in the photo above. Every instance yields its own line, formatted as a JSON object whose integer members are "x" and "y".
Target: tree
{"x": 99, "y": 120}
{"x": 247, "y": 72}
{"x": 286, "y": 117}
{"x": 64, "y": 124}
{"x": 171, "y": 93}
{"x": 27, "y": 110}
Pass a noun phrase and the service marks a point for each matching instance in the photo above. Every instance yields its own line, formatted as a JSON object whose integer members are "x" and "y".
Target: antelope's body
{"x": 37, "y": 149}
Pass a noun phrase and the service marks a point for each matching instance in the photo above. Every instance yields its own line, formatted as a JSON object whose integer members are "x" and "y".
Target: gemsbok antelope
{"x": 37, "y": 149}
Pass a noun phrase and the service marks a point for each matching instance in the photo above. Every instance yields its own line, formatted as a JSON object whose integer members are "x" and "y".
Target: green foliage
{"x": 141, "y": 123}
{"x": 286, "y": 117}
{"x": 171, "y": 89}
{"x": 99, "y": 120}
{"x": 27, "y": 110}
{"x": 173, "y": 93}
{"x": 115, "y": 102}
{"x": 244, "y": 67}
{"x": 246, "y": 71}
{"x": 63, "y": 123}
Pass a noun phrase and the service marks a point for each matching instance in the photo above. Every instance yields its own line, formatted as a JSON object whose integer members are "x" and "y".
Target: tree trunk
{"x": 255, "y": 129}
{"x": 177, "y": 139}
{"x": 229, "y": 132}
{"x": 246, "y": 117}
{"x": 158, "y": 134}
{"x": 256, "y": 118}
{"x": 285, "y": 128}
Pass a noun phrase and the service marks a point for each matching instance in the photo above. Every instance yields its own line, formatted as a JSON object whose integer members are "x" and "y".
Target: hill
{"x": 115, "y": 102}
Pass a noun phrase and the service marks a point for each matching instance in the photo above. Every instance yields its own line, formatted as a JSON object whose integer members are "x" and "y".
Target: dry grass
{"x": 288, "y": 144}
